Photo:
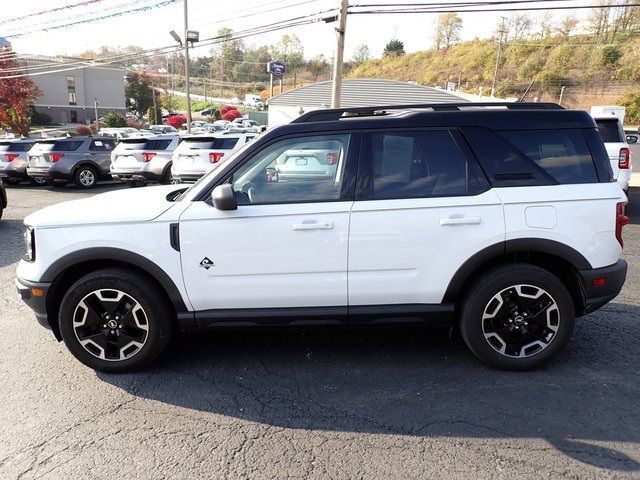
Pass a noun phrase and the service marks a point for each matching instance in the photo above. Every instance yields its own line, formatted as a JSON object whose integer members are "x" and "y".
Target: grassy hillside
{"x": 577, "y": 62}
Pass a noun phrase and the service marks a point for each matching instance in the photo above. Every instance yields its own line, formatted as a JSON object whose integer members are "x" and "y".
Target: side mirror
{"x": 631, "y": 139}
{"x": 224, "y": 198}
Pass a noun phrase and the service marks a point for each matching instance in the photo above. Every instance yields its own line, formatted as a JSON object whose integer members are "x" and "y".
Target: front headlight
{"x": 30, "y": 243}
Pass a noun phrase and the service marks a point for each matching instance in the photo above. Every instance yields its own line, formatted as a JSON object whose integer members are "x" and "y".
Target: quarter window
{"x": 303, "y": 169}
{"x": 563, "y": 154}
{"x": 418, "y": 164}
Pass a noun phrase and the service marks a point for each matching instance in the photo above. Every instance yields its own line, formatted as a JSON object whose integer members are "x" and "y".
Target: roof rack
{"x": 332, "y": 114}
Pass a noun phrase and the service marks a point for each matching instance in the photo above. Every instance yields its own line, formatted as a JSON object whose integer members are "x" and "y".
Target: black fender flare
{"x": 117, "y": 254}
{"x": 519, "y": 245}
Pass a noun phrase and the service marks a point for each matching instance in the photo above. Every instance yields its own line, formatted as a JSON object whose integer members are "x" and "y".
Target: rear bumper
{"x": 18, "y": 174}
{"x": 137, "y": 176}
{"x": 35, "y": 296}
{"x": 186, "y": 177}
{"x": 597, "y": 296}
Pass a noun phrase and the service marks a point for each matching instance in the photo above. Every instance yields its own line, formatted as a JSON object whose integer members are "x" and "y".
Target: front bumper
{"x": 597, "y": 296}
{"x": 35, "y": 296}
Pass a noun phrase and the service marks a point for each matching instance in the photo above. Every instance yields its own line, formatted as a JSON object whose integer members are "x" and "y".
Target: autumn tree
{"x": 567, "y": 25}
{"x": 290, "y": 51}
{"x": 361, "y": 55}
{"x": 16, "y": 95}
{"x": 138, "y": 92}
{"x": 318, "y": 66}
{"x": 447, "y": 30}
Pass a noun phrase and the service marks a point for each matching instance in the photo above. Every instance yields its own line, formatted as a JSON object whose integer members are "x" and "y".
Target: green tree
{"x": 318, "y": 66}
{"x": 138, "y": 92}
{"x": 154, "y": 115}
{"x": 448, "y": 30}
{"x": 114, "y": 119}
{"x": 394, "y": 48}
{"x": 290, "y": 51}
{"x": 631, "y": 100}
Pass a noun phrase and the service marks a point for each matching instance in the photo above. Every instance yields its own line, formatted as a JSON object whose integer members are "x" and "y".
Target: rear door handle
{"x": 312, "y": 226}
{"x": 455, "y": 220}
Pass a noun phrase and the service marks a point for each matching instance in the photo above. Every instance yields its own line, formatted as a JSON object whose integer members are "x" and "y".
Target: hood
{"x": 131, "y": 205}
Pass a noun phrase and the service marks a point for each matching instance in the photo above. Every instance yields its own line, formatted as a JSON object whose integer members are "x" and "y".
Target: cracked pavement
{"x": 356, "y": 403}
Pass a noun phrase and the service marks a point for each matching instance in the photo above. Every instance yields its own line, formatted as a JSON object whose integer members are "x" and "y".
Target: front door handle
{"x": 460, "y": 220}
{"x": 312, "y": 226}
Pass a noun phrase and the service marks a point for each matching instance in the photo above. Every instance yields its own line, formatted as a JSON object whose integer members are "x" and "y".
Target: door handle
{"x": 312, "y": 226}
{"x": 459, "y": 220}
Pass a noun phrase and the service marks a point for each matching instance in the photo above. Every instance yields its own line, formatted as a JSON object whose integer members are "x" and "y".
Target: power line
{"x": 409, "y": 8}
{"x": 52, "y": 10}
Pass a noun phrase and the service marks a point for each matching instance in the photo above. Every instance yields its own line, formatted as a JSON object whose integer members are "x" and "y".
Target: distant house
{"x": 290, "y": 105}
{"x": 70, "y": 87}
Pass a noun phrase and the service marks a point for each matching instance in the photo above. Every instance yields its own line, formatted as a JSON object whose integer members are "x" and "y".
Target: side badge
{"x": 206, "y": 263}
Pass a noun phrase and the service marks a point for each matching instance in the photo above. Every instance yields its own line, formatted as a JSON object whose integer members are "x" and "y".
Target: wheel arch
{"x": 68, "y": 269}
{"x": 89, "y": 163}
{"x": 561, "y": 260}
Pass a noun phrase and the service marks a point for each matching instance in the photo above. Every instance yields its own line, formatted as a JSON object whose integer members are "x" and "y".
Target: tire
{"x": 37, "y": 181}
{"x": 166, "y": 175}
{"x": 57, "y": 183}
{"x": 85, "y": 177}
{"x": 115, "y": 320}
{"x": 507, "y": 338}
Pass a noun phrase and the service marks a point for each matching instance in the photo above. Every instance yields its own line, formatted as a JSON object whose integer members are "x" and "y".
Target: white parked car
{"x": 615, "y": 141}
{"x": 503, "y": 221}
{"x": 199, "y": 154}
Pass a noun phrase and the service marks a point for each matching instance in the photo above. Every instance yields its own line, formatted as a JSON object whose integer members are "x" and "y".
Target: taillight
{"x": 214, "y": 157}
{"x": 332, "y": 158}
{"x": 621, "y": 221}
{"x": 56, "y": 156}
{"x": 624, "y": 158}
{"x": 10, "y": 157}
{"x": 147, "y": 156}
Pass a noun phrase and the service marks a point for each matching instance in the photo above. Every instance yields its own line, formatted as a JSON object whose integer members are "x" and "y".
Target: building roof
{"x": 362, "y": 92}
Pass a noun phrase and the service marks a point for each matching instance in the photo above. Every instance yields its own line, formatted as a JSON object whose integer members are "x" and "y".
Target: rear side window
{"x": 418, "y": 164}
{"x": 563, "y": 154}
{"x": 67, "y": 145}
{"x": 101, "y": 145}
{"x": 610, "y": 130}
{"x": 15, "y": 147}
{"x": 157, "y": 144}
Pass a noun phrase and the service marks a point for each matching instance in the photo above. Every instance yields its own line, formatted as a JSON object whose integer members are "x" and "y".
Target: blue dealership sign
{"x": 276, "y": 68}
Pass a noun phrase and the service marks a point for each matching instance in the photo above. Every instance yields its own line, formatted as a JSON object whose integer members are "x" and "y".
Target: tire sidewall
{"x": 159, "y": 325}
{"x": 487, "y": 287}
{"x": 79, "y": 171}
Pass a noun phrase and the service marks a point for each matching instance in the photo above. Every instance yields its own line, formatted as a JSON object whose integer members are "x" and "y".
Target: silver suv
{"x": 144, "y": 159}
{"x": 199, "y": 154}
{"x": 83, "y": 160}
{"x": 13, "y": 161}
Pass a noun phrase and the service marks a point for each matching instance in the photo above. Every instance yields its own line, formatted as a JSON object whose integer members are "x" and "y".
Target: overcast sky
{"x": 150, "y": 29}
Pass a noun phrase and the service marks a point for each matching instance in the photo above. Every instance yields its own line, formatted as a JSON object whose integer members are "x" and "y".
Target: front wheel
{"x": 114, "y": 320}
{"x": 517, "y": 317}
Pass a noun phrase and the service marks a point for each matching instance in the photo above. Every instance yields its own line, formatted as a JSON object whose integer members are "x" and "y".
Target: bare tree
{"x": 447, "y": 30}
{"x": 520, "y": 26}
{"x": 361, "y": 55}
{"x": 567, "y": 25}
{"x": 546, "y": 25}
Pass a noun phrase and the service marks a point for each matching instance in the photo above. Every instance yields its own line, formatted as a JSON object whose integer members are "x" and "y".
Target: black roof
{"x": 514, "y": 116}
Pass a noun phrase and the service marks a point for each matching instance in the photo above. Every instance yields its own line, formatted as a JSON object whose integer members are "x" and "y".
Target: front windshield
{"x": 191, "y": 192}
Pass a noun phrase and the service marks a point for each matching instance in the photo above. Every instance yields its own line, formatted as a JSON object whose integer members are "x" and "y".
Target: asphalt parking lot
{"x": 317, "y": 403}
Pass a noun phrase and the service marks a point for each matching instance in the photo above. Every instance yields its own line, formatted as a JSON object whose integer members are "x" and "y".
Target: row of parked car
{"x": 140, "y": 159}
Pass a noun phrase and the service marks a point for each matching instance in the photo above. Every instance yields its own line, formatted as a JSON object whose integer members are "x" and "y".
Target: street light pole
{"x": 186, "y": 65}
{"x": 337, "y": 66}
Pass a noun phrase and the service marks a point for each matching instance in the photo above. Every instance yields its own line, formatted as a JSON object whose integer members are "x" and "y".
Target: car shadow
{"x": 410, "y": 380}
{"x": 11, "y": 241}
{"x": 633, "y": 207}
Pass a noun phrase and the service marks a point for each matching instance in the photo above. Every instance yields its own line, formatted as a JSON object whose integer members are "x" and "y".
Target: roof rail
{"x": 332, "y": 114}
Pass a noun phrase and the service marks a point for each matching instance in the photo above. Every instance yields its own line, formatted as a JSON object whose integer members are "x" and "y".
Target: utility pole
{"x": 221, "y": 74}
{"x": 337, "y": 66}
{"x": 186, "y": 65}
{"x": 502, "y": 31}
{"x": 561, "y": 95}
{"x": 95, "y": 106}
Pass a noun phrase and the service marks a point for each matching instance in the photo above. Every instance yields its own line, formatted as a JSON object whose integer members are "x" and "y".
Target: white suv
{"x": 198, "y": 154}
{"x": 505, "y": 221}
{"x": 615, "y": 142}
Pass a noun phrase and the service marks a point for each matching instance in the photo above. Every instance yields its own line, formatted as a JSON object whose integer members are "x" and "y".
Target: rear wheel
{"x": 517, "y": 317}
{"x": 37, "y": 181}
{"x": 85, "y": 177}
{"x": 115, "y": 320}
